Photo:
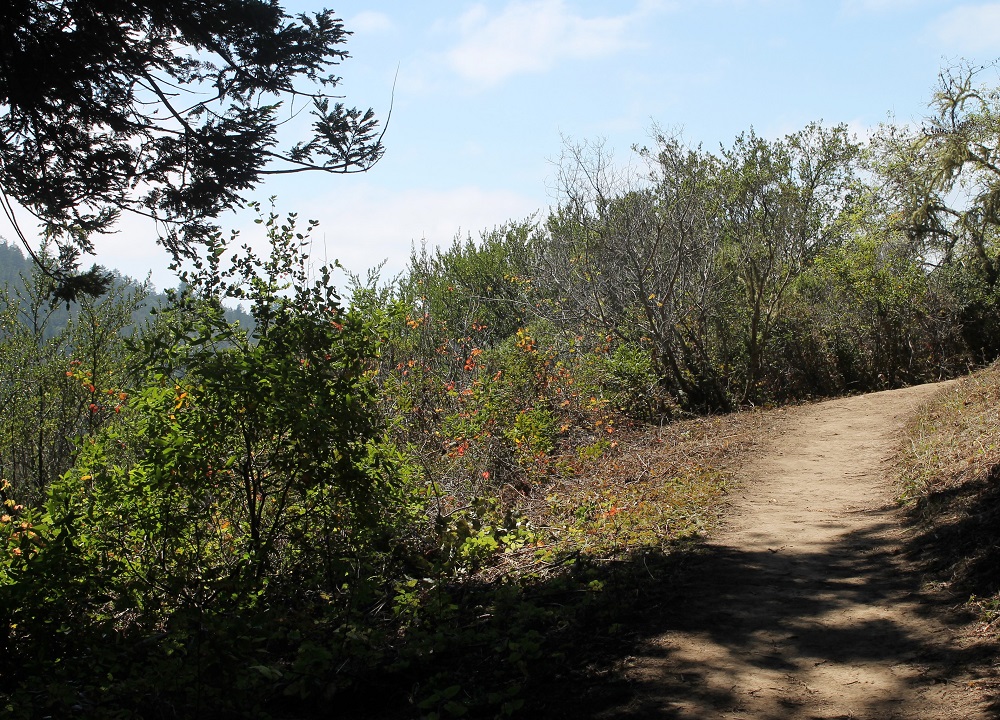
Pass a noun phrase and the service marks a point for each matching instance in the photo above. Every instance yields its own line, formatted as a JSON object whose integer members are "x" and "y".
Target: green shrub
{"x": 248, "y": 479}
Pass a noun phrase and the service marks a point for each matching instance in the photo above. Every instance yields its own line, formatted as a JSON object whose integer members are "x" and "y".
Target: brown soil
{"x": 804, "y": 606}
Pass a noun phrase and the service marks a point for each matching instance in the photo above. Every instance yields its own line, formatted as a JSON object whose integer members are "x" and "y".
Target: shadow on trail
{"x": 779, "y": 610}
{"x": 567, "y": 646}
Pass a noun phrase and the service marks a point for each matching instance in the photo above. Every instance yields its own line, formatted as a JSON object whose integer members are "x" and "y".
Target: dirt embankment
{"x": 803, "y": 606}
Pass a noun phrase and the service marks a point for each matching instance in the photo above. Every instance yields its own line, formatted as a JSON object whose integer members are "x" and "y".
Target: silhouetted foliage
{"x": 168, "y": 108}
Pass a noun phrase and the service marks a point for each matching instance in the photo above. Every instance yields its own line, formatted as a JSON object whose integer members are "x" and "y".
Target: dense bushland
{"x": 415, "y": 491}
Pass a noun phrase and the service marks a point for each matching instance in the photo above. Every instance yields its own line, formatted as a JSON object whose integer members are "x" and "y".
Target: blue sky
{"x": 486, "y": 92}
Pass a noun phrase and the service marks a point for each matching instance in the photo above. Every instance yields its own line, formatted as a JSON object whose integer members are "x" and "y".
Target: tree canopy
{"x": 166, "y": 108}
{"x": 948, "y": 172}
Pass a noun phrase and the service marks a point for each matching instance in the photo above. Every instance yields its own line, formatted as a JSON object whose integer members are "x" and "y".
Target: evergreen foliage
{"x": 169, "y": 109}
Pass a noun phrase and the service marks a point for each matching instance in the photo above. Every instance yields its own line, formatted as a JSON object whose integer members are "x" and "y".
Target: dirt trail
{"x": 804, "y": 607}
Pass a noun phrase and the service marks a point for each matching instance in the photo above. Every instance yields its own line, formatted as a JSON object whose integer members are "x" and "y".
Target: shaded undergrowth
{"x": 950, "y": 468}
{"x": 541, "y": 627}
{"x": 546, "y": 628}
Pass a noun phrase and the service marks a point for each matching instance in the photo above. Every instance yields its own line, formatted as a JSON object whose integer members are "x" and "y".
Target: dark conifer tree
{"x": 166, "y": 108}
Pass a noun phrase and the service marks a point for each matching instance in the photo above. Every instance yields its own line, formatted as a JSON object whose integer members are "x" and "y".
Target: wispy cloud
{"x": 532, "y": 36}
{"x": 365, "y": 224}
{"x": 970, "y": 29}
{"x": 867, "y": 7}
{"x": 369, "y": 21}
{"x": 361, "y": 225}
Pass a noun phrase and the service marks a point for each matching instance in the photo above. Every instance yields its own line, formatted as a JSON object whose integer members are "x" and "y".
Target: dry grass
{"x": 547, "y": 620}
{"x": 654, "y": 488}
{"x": 954, "y": 440}
{"x": 643, "y": 488}
{"x": 949, "y": 474}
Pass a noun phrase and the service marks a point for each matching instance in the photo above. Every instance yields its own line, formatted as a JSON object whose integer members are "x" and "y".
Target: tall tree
{"x": 947, "y": 173}
{"x": 166, "y": 108}
{"x": 636, "y": 257}
{"x": 944, "y": 178}
{"x": 781, "y": 204}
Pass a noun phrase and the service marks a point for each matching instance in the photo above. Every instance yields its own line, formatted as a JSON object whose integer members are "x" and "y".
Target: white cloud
{"x": 970, "y": 29}
{"x": 360, "y": 226}
{"x": 866, "y": 7}
{"x": 531, "y": 36}
{"x": 861, "y": 130}
{"x": 369, "y": 21}
{"x": 364, "y": 225}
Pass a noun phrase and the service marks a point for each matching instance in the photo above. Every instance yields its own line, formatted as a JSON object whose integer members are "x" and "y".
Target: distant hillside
{"x": 12, "y": 264}
{"x": 15, "y": 267}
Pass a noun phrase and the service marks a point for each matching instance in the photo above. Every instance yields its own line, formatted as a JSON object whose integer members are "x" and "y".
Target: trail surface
{"x": 804, "y": 607}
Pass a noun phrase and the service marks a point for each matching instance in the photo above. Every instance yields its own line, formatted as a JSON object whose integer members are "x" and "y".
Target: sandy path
{"x": 803, "y": 606}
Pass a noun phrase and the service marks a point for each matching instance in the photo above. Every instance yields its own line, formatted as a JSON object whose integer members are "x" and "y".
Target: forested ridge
{"x": 433, "y": 495}
{"x": 17, "y": 275}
